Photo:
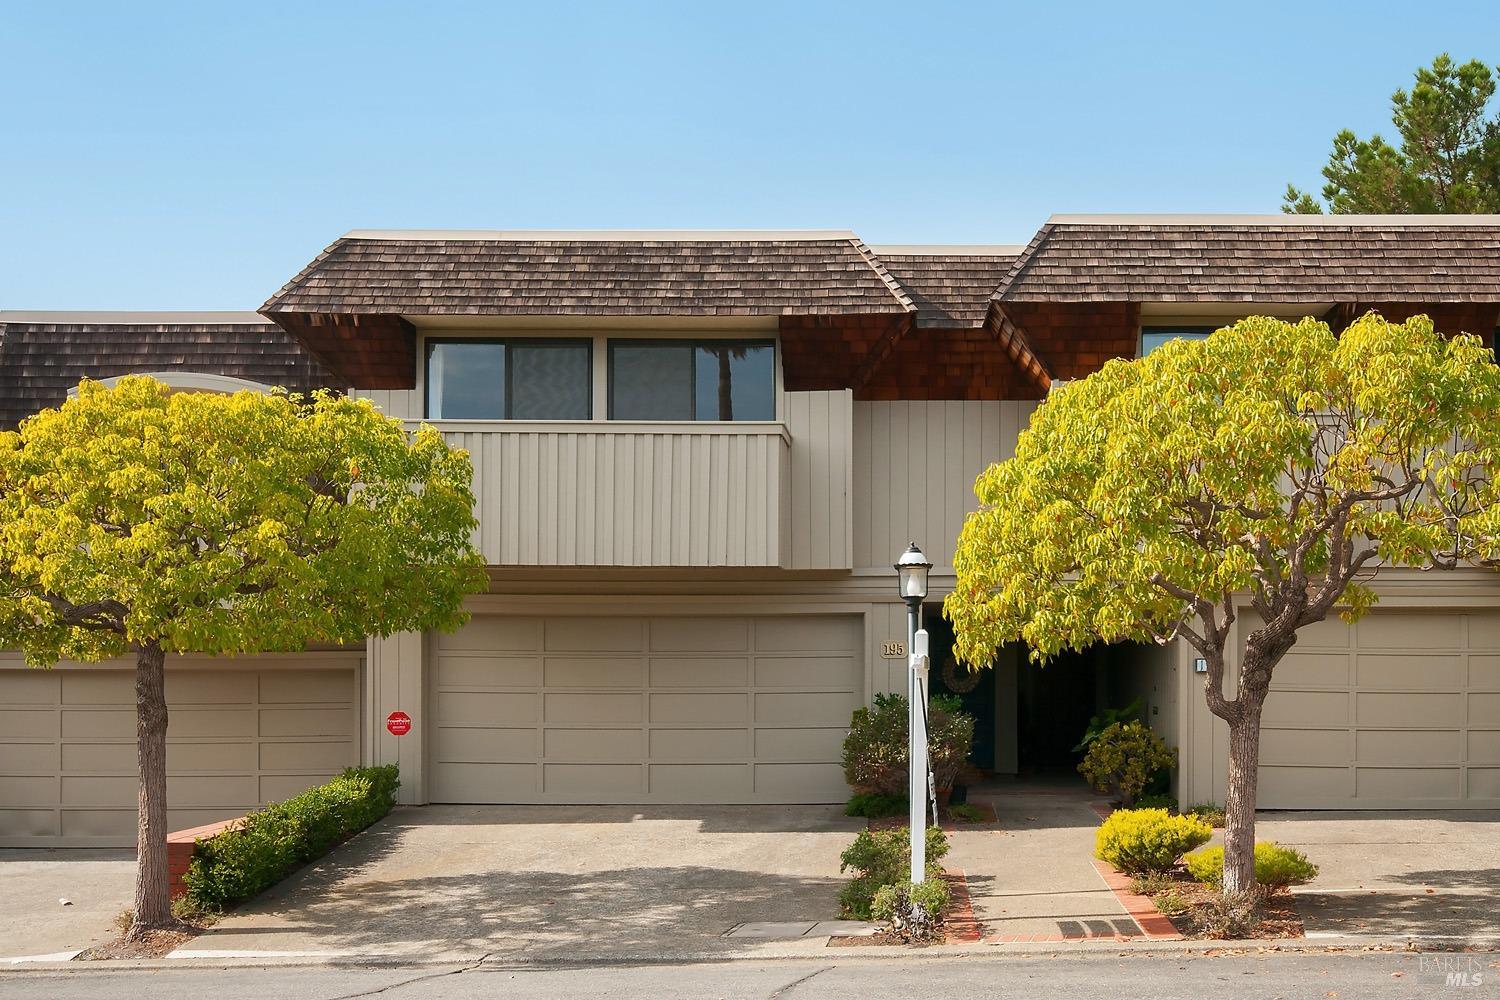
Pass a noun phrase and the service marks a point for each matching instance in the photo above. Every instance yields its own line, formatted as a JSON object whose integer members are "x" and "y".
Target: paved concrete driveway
{"x": 540, "y": 882}
{"x": 32, "y": 922}
{"x": 1396, "y": 874}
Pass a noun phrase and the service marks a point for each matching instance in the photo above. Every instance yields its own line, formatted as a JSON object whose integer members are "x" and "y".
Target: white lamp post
{"x": 911, "y": 579}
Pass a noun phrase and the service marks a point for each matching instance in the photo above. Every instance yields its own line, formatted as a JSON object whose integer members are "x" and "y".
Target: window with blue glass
{"x": 475, "y": 379}
{"x": 692, "y": 380}
{"x": 1153, "y": 337}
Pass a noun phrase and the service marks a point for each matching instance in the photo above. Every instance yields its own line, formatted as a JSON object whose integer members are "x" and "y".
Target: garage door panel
{"x": 30, "y": 758}
{"x": 194, "y": 757}
{"x": 1304, "y": 746}
{"x": 18, "y": 824}
{"x": 699, "y": 635}
{"x": 1309, "y": 708}
{"x": 1311, "y": 670}
{"x": 1410, "y": 630}
{"x": 323, "y": 756}
{"x": 601, "y": 745}
{"x": 1303, "y": 785}
{"x": 1408, "y": 709}
{"x": 1402, "y": 671}
{"x": 1388, "y": 783}
{"x": 1330, "y": 632}
{"x": 305, "y": 686}
{"x": 797, "y": 782}
{"x": 29, "y": 724}
{"x": 486, "y": 708}
{"x": 208, "y": 723}
{"x": 806, "y": 634}
{"x": 1484, "y": 673}
{"x": 28, "y": 790}
{"x": 660, "y": 709}
{"x": 486, "y": 633}
{"x": 275, "y": 787}
{"x": 699, "y": 672}
{"x": 799, "y": 744}
{"x": 707, "y": 708}
{"x": 1484, "y": 784}
{"x": 116, "y": 825}
{"x": 807, "y": 672}
{"x": 1484, "y": 709}
{"x": 99, "y": 790}
{"x": 591, "y": 707}
{"x": 1484, "y": 746}
{"x": 306, "y": 721}
{"x": 111, "y": 724}
{"x": 594, "y": 635}
{"x": 1385, "y": 746}
{"x": 700, "y": 744}
{"x": 460, "y": 782}
{"x": 596, "y": 782}
{"x": 29, "y": 686}
{"x": 482, "y": 745}
{"x": 213, "y": 687}
{"x": 699, "y": 782}
{"x": 84, "y": 686}
{"x": 490, "y": 671}
{"x": 593, "y": 672}
{"x": 216, "y": 790}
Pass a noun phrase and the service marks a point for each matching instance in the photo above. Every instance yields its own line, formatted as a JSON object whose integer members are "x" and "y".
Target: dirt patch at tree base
{"x": 153, "y": 944}
{"x": 1278, "y": 920}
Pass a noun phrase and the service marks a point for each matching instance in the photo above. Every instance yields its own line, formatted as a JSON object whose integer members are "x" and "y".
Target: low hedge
{"x": 272, "y": 842}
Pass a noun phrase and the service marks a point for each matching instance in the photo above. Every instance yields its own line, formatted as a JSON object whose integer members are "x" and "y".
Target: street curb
{"x": 893, "y": 953}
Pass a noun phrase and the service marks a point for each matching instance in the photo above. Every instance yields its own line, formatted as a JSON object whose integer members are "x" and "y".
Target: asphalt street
{"x": 1106, "y": 977}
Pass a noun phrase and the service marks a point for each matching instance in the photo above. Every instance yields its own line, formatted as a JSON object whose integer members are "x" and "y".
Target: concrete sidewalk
{"x": 97, "y": 883}
{"x": 1031, "y": 876}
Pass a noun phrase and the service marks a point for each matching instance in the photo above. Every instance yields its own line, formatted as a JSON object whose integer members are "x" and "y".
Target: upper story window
{"x": 509, "y": 379}
{"x": 692, "y": 380}
{"x": 1153, "y": 337}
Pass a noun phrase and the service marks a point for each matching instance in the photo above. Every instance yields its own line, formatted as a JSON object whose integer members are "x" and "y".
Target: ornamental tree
{"x": 1273, "y": 467}
{"x": 135, "y": 520}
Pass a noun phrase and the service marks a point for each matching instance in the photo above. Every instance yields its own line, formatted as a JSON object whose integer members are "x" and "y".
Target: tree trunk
{"x": 1239, "y": 801}
{"x": 726, "y": 393}
{"x": 153, "y": 900}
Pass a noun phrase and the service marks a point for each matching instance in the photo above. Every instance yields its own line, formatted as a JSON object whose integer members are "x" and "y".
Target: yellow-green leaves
{"x": 1219, "y": 466}
{"x": 226, "y": 524}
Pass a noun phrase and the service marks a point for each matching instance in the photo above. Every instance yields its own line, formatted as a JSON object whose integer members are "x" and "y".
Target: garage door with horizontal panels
{"x": 237, "y": 737}
{"x": 1399, "y": 710}
{"x": 640, "y": 710}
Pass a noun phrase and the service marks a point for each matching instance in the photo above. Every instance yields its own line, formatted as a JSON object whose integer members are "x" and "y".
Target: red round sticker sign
{"x": 399, "y": 723}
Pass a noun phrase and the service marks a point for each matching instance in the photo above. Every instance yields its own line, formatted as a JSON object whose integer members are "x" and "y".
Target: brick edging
{"x": 1152, "y": 922}
{"x": 962, "y": 924}
{"x": 180, "y": 847}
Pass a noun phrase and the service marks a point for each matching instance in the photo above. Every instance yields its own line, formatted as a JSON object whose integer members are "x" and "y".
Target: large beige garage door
{"x": 671, "y": 710}
{"x": 237, "y": 737}
{"x": 1400, "y": 710}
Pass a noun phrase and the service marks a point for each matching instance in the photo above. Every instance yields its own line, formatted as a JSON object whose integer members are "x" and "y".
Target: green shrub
{"x": 880, "y": 858}
{"x": 874, "y": 805}
{"x": 1170, "y": 902}
{"x": 1139, "y": 841}
{"x": 1275, "y": 866}
{"x": 1099, "y": 723}
{"x": 874, "y": 754}
{"x": 1209, "y": 813}
{"x": 1156, "y": 800}
{"x": 272, "y": 842}
{"x": 1152, "y": 883}
{"x": 965, "y": 813}
{"x": 1123, "y": 759}
{"x": 913, "y": 911}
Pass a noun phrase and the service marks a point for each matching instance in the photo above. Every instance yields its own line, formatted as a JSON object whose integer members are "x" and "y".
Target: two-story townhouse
{"x": 696, "y": 456}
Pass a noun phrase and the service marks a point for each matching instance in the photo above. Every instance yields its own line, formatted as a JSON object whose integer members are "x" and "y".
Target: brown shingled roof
{"x": 950, "y": 286}
{"x": 1259, "y": 258}
{"x": 43, "y": 355}
{"x": 593, "y": 274}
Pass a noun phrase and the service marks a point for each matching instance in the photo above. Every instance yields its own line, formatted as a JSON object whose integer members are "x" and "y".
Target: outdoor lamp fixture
{"x": 911, "y": 574}
{"x": 911, "y": 582}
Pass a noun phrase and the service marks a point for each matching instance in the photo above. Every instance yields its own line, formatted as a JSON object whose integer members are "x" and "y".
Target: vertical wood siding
{"x": 822, "y": 461}
{"x": 915, "y": 462}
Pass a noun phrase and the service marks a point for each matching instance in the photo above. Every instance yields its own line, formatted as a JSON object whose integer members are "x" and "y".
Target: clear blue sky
{"x": 194, "y": 156}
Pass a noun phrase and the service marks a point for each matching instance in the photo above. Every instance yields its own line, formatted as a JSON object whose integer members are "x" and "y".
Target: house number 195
{"x": 891, "y": 650}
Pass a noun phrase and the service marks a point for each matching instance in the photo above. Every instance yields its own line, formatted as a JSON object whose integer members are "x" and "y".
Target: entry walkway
{"x": 1031, "y": 877}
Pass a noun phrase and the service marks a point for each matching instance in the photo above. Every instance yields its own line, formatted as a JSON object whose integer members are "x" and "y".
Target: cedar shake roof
{"x": 676, "y": 273}
{"x": 950, "y": 285}
{"x": 43, "y": 355}
{"x": 1275, "y": 258}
